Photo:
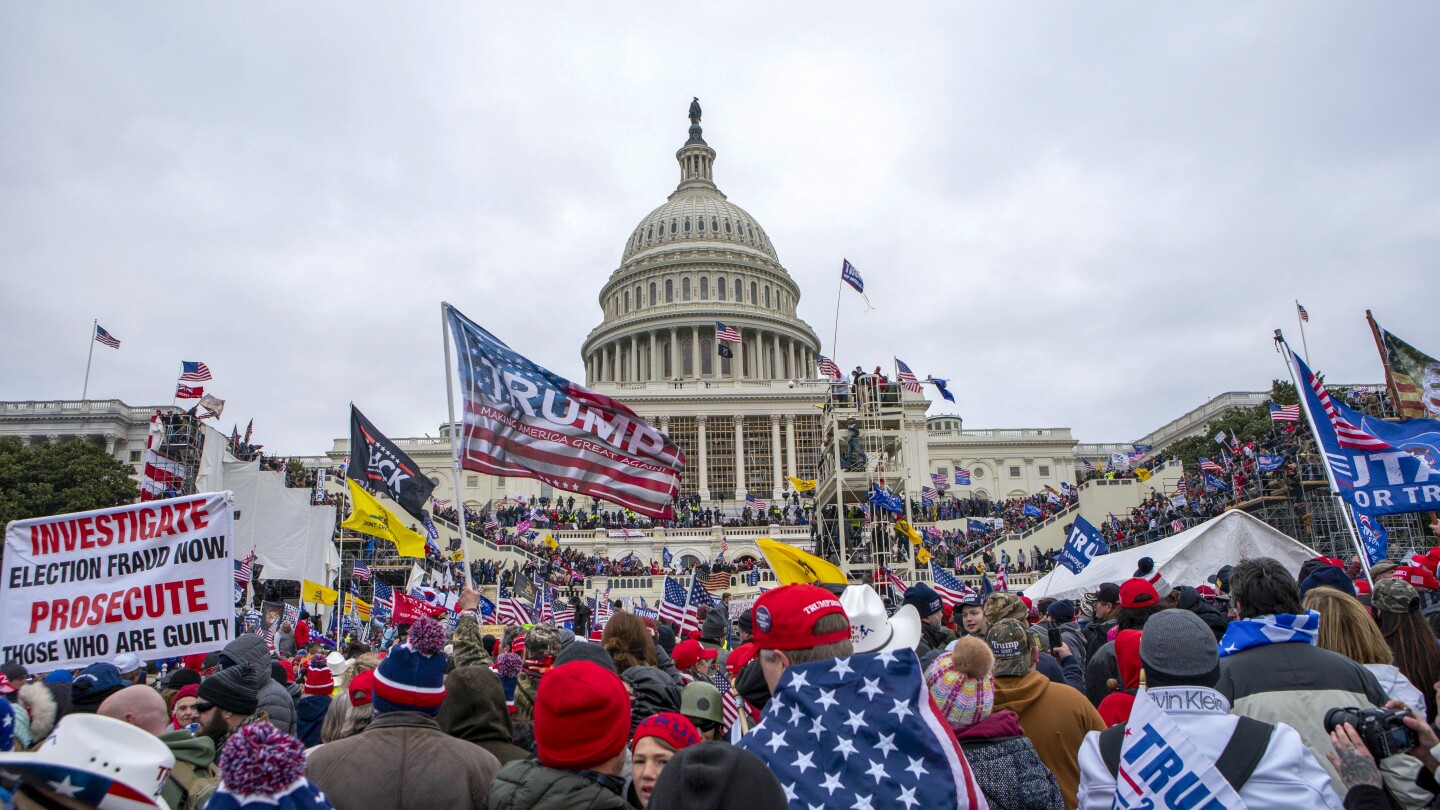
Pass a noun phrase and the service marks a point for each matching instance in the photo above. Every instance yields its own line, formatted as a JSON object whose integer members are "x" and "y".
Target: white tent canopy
{"x": 1188, "y": 558}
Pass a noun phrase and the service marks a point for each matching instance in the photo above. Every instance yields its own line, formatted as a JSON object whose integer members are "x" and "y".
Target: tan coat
{"x": 403, "y": 761}
{"x": 1056, "y": 718}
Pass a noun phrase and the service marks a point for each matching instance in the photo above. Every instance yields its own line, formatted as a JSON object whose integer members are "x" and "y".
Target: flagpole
{"x": 1349, "y": 519}
{"x": 834, "y": 338}
{"x": 95, "y": 324}
{"x": 1303, "y": 345}
{"x": 455, "y": 447}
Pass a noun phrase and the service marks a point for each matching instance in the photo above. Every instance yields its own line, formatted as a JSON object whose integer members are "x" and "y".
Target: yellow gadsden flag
{"x": 903, "y": 526}
{"x": 551, "y": 542}
{"x": 922, "y": 556}
{"x": 800, "y": 484}
{"x": 791, "y": 565}
{"x": 371, "y": 517}
{"x": 314, "y": 592}
{"x": 1143, "y": 474}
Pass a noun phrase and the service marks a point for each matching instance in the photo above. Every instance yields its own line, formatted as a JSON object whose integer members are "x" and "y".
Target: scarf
{"x": 1280, "y": 628}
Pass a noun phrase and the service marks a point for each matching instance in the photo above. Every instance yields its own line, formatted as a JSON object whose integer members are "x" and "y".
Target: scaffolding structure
{"x": 1315, "y": 519}
{"x": 172, "y": 455}
{"x": 867, "y": 442}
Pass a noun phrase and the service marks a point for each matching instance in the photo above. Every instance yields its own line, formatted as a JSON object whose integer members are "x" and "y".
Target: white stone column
{"x": 654, "y": 357}
{"x": 740, "y": 487}
{"x": 695, "y": 348}
{"x": 740, "y": 357}
{"x": 794, "y": 359}
{"x": 790, "y": 445}
{"x": 600, "y": 364}
{"x": 704, "y": 458}
{"x": 635, "y": 375}
{"x": 674, "y": 353}
{"x": 777, "y": 482}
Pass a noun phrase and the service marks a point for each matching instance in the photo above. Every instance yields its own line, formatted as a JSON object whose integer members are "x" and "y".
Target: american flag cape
{"x": 525, "y": 421}
{"x": 868, "y": 729}
{"x": 907, "y": 377}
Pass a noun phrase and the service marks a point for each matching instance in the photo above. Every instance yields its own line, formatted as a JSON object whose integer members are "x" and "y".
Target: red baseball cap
{"x": 739, "y": 657}
{"x": 689, "y": 652}
{"x": 785, "y": 618}
{"x": 1362, "y": 587}
{"x": 1418, "y": 577}
{"x": 1138, "y": 593}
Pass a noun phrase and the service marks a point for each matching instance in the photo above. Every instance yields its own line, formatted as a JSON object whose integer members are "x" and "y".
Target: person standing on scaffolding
{"x": 854, "y": 457}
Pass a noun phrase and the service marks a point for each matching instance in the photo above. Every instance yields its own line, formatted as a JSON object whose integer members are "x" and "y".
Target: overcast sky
{"x": 1083, "y": 215}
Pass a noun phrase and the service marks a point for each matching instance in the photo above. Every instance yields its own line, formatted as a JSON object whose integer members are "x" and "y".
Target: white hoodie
{"x": 1398, "y": 687}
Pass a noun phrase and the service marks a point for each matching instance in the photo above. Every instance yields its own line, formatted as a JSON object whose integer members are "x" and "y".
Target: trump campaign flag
{"x": 1160, "y": 766}
{"x": 525, "y": 421}
{"x": 155, "y": 579}
{"x": 380, "y": 464}
{"x": 1084, "y": 544}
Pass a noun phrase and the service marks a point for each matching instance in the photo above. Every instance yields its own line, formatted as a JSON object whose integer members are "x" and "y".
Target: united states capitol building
{"x": 745, "y": 422}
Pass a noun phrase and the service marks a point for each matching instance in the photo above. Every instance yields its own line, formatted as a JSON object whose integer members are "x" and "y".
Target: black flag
{"x": 725, "y": 350}
{"x": 376, "y": 462}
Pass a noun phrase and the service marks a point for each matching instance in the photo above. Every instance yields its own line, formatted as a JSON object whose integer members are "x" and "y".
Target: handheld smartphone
{"x": 1055, "y": 640}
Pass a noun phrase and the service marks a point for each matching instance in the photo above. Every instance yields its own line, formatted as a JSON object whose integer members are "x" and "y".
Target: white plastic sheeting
{"x": 291, "y": 538}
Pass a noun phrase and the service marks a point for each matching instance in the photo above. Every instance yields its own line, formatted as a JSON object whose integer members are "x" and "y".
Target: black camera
{"x": 1383, "y": 731}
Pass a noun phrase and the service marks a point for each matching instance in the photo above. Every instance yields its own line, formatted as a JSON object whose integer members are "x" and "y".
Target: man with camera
{"x": 1266, "y": 764}
{"x": 1361, "y": 737}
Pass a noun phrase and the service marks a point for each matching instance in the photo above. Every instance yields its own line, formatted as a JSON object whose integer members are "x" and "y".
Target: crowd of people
{"x": 1296, "y": 687}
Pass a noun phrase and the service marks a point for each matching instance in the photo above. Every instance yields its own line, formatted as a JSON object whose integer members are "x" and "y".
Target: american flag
{"x": 563, "y": 612}
{"x": 244, "y": 569}
{"x": 583, "y": 441}
{"x": 729, "y": 701}
{"x": 896, "y": 583}
{"x": 726, "y": 333}
{"x": 361, "y": 571}
{"x": 949, "y": 586}
{"x": 698, "y": 596}
{"x": 962, "y": 477}
{"x": 383, "y": 595}
{"x": 755, "y": 503}
{"x": 1348, "y": 435}
{"x": 1284, "y": 413}
{"x": 189, "y": 392}
{"x": 672, "y": 605}
{"x": 940, "y": 482}
{"x": 441, "y": 503}
{"x": 928, "y": 494}
{"x": 1304, "y": 316}
{"x": 1001, "y": 580}
{"x": 1177, "y": 526}
{"x": 718, "y": 581}
{"x": 491, "y": 525}
{"x": 106, "y": 338}
{"x": 1210, "y": 466}
{"x": 828, "y": 369}
{"x": 868, "y": 728}
{"x": 907, "y": 377}
{"x": 1089, "y": 465}
{"x": 194, "y": 371}
{"x": 509, "y": 609}
{"x": 1182, "y": 485}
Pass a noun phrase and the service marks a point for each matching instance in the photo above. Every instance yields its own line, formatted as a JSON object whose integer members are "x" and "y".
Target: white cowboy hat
{"x": 871, "y": 630}
{"x": 100, "y": 761}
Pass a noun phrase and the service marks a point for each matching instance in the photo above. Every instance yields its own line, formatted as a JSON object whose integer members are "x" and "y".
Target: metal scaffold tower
{"x": 172, "y": 459}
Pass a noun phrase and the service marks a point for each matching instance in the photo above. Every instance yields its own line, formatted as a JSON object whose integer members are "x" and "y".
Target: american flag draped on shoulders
{"x": 862, "y": 732}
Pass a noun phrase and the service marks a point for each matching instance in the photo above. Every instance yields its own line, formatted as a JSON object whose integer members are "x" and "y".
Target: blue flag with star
{"x": 861, "y": 732}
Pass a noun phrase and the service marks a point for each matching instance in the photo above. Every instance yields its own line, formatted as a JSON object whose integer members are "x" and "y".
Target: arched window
{"x": 687, "y": 358}
{"x": 704, "y": 288}
{"x": 754, "y": 293}
{"x": 739, "y": 291}
{"x": 649, "y": 233}
{"x": 705, "y": 359}
{"x": 652, "y": 293}
{"x": 720, "y": 287}
{"x": 727, "y": 226}
{"x": 687, "y": 224}
{"x": 715, "y": 224}
{"x": 685, "y": 289}
{"x": 638, "y": 297}
{"x": 627, "y": 300}
{"x": 750, "y": 231}
{"x": 767, "y": 296}
{"x": 669, "y": 291}
{"x": 700, "y": 223}
{"x": 672, "y": 226}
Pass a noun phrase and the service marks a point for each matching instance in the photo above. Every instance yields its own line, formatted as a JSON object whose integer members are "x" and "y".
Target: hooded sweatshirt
{"x": 275, "y": 701}
{"x": 1191, "y": 600}
{"x": 1056, "y": 718}
{"x": 474, "y": 710}
{"x": 194, "y": 757}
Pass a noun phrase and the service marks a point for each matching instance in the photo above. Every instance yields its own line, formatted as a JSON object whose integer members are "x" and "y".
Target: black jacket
{"x": 654, "y": 692}
{"x": 474, "y": 710}
{"x": 527, "y": 785}
{"x": 1191, "y": 600}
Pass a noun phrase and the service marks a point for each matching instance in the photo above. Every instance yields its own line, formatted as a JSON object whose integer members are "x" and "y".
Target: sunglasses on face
{"x": 202, "y": 707}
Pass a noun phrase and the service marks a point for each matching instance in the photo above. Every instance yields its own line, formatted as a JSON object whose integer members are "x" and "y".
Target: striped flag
{"x": 1284, "y": 413}
{"x": 523, "y": 526}
{"x": 673, "y": 603}
{"x": 949, "y": 586}
{"x": 896, "y": 583}
{"x": 718, "y": 581}
{"x": 1002, "y": 582}
{"x": 756, "y": 503}
{"x": 1347, "y": 435}
{"x": 726, "y": 333}
{"x": 383, "y": 595}
{"x": 361, "y": 571}
{"x": 1177, "y": 526}
{"x": 828, "y": 369}
{"x": 962, "y": 477}
{"x": 441, "y": 503}
{"x": 928, "y": 494}
{"x": 491, "y": 525}
{"x": 183, "y": 391}
{"x": 1304, "y": 316}
{"x": 1210, "y": 466}
{"x": 1182, "y": 486}
{"x": 510, "y": 610}
{"x": 907, "y": 377}
{"x": 729, "y": 701}
{"x": 105, "y": 337}
{"x": 940, "y": 482}
{"x": 194, "y": 371}
{"x": 244, "y": 569}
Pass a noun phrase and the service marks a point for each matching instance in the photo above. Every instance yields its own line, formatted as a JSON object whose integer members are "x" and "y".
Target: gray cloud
{"x": 1085, "y": 216}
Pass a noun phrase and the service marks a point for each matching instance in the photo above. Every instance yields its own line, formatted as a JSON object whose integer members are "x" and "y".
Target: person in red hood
{"x": 302, "y": 631}
{"x": 1006, "y": 766}
{"x": 1115, "y": 708}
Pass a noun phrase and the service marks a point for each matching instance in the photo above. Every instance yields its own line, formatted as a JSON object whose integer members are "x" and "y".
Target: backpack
{"x": 197, "y": 785}
{"x": 1237, "y": 761}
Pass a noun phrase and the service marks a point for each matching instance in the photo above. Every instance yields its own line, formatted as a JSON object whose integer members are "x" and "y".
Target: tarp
{"x": 291, "y": 538}
{"x": 1188, "y": 558}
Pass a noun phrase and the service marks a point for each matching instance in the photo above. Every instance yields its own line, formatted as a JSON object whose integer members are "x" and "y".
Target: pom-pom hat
{"x": 785, "y": 618}
{"x": 103, "y": 762}
{"x": 412, "y": 677}
{"x": 263, "y": 767}
{"x": 963, "y": 683}
{"x": 318, "y": 678}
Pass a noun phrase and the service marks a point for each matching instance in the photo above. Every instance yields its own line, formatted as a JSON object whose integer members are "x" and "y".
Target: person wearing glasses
{"x": 228, "y": 700}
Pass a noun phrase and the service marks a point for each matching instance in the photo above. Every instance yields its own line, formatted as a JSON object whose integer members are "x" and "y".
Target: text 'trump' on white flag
{"x": 526, "y": 421}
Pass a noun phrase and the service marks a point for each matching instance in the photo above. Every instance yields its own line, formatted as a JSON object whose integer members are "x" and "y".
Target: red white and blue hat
{"x": 412, "y": 676}
{"x": 98, "y": 761}
{"x": 262, "y": 767}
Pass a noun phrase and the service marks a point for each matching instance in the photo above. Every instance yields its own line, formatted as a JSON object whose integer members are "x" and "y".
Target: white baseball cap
{"x": 126, "y": 663}
{"x": 100, "y": 761}
{"x": 871, "y": 630}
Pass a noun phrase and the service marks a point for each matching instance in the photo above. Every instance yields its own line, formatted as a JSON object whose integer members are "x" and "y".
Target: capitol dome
{"x": 696, "y": 260}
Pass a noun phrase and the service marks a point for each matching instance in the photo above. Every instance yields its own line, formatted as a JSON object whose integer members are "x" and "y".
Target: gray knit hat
{"x": 1178, "y": 649}
{"x": 586, "y": 651}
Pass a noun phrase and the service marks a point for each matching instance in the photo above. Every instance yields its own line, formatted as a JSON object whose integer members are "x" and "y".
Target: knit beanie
{"x": 234, "y": 689}
{"x": 716, "y": 776}
{"x": 582, "y": 716}
{"x": 509, "y": 666}
{"x": 1327, "y": 576}
{"x": 1178, "y": 649}
{"x": 586, "y": 651}
{"x": 262, "y": 767}
{"x": 1146, "y": 571}
{"x": 181, "y": 678}
{"x": 279, "y": 674}
{"x": 672, "y": 728}
{"x": 963, "y": 683}
{"x": 318, "y": 678}
{"x": 412, "y": 676}
{"x": 1061, "y": 610}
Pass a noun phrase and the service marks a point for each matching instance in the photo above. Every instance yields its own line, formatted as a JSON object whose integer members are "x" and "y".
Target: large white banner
{"x": 155, "y": 579}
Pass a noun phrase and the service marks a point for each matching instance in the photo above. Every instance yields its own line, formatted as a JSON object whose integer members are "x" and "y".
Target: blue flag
{"x": 666, "y": 557}
{"x": 487, "y": 608}
{"x": 1032, "y": 510}
{"x": 1211, "y": 482}
{"x": 940, "y": 385}
{"x": 885, "y": 500}
{"x": 1084, "y": 544}
{"x": 851, "y": 276}
{"x": 1372, "y": 536}
{"x": 977, "y": 525}
{"x": 1379, "y": 467}
{"x": 985, "y": 587}
{"x": 1268, "y": 463}
{"x": 753, "y": 578}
